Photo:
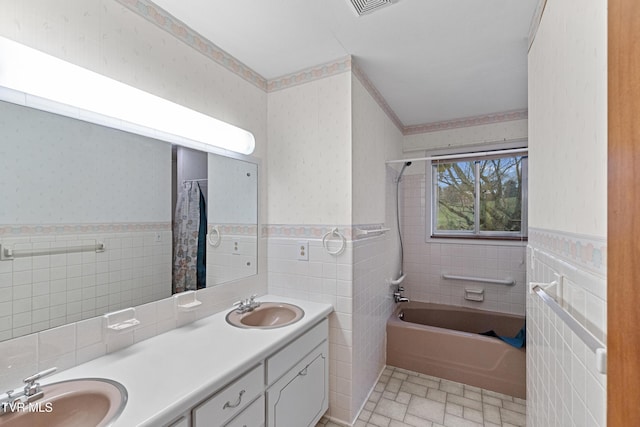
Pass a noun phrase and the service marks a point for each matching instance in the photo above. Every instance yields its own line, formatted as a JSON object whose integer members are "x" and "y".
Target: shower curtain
{"x": 189, "y": 243}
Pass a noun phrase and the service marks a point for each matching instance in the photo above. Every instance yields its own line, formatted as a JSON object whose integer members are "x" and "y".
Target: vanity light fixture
{"x": 34, "y": 79}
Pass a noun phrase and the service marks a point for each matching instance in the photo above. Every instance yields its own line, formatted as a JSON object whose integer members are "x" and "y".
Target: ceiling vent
{"x": 363, "y": 7}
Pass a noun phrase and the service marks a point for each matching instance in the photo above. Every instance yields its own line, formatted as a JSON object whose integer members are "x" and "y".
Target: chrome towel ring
{"x": 215, "y": 242}
{"x": 336, "y": 233}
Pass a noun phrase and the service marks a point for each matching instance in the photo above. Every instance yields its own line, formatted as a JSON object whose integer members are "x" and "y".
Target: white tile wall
{"x": 372, "y": 306}
{"x": 47, "y": 291}
{"x": 425, "y": 262}
{"x": 323, "y": 278}
{"x": 563, "y": 385}
{"x": 355, "y": 282}
{"x": 76, "y": 343}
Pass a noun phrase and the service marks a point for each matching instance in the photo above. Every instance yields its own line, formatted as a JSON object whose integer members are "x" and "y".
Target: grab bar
{"x": 508, "y": 281}
{"x": 8, "y": 254}
{"x": 581, "y": 332}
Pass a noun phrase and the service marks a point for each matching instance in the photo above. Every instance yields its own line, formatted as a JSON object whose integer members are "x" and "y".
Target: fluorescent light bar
{"x": 35, "y": 79}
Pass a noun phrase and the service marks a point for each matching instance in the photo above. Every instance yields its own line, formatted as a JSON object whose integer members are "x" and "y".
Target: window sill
{"x": 476, "y": 240}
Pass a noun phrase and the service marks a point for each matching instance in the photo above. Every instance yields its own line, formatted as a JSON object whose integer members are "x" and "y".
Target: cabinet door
{"x": 300, "y": 398}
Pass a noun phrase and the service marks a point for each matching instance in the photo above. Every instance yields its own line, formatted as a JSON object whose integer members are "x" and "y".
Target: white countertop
{"x": 170, "y": 373}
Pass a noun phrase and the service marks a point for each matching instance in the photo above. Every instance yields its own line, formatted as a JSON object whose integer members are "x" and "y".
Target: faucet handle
{"x": 31, "y": 386}
{"x": 35, "y": 377}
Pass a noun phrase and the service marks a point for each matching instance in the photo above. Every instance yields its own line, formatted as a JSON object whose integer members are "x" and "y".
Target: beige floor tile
{"x": 379, "y": 420}
{"x": 520, "y": 401}
{"x": 365, "y": 415}
{"x": 492, "y": 400}
{"x": 512, "y": 417}
{"x": 403, "y": 397}
{"x": 453, "y": 421}
{"x": 395, "y": 423}
{"x": 473, "y": 395}
{"x": 412, "y": 388}
{"x": 437, "y": 395}
{"x": 473, "y": 404}
{"x": 414, "y": 421}
{"x": 391, "y": 409}
{"x": 426, "y": 409}
{"x": 473, "y": 415}
{"x": 399, "y": 375}
{"x": 452, "y": 387}
{"x": 393, "y": 385}
{"x": 375, "y": 396}
{"x": 389, "y": 395}
{"x": 453, "y": 409}
{"x": 491, "y": 413}
{"x": 498, "y": 395}
{"x": 515, "y": 407}
{"x": 407, "y": 399}
{"x": 427, "y": 382}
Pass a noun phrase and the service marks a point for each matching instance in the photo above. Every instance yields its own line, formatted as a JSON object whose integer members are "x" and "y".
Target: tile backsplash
{"x": 47, "y": 291}
{"x": 426, "y": 261}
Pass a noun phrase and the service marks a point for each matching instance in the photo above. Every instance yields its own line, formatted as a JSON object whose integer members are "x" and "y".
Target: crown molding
{"x": 169, "y": 23}
{"x": 486, "y": 119}
{"x": 307, "y": 75}
{"x": 164, "y": 20}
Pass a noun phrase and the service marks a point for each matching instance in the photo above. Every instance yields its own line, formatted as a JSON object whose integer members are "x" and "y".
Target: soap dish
{"x": 121, "y": 321}
{"x": 186, "y": 301}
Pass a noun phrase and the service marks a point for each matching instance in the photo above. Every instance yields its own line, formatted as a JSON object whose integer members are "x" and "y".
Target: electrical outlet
{"x": 303, "y": 251}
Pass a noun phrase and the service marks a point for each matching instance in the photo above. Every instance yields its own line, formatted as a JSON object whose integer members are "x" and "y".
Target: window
{"x": 483, "y": 197}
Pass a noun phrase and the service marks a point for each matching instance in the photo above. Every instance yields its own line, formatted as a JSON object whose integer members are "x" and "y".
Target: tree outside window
{"x": 480, "y": 197}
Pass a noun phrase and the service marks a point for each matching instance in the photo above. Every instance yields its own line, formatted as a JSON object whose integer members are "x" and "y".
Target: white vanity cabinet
{"x": 288, "y": 389}
{"x": 231, "y": 400}
{"x": 298, "y": 381}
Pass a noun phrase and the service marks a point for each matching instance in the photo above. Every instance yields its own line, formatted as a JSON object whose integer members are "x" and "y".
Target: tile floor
{"x": 407, "y": 399}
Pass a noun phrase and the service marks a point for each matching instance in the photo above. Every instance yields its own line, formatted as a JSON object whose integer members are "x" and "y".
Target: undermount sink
{"x": 84, "y": 402}
{"x": 269, "y": 315}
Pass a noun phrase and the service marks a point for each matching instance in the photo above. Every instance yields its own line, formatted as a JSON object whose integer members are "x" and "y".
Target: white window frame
{"x": 500, "y": 238}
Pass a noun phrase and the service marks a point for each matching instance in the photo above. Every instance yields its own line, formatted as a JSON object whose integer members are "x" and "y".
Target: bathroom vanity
{"x": 210, "y": 373}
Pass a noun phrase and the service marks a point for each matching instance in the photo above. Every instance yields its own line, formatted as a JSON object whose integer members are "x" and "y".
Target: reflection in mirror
{"x": 86, "y": 219}
{"x": 233, "y": 219}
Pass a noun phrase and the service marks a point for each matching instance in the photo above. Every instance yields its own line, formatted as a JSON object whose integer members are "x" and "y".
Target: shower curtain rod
{"x": 461, "y": 156}
{"x": 195, "y": 180}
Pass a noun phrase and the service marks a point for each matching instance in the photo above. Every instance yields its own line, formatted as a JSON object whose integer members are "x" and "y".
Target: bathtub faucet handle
{"x": 397, "y": 297}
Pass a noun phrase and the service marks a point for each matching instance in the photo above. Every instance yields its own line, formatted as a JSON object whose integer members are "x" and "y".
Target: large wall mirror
{"x": 94, "y": 220}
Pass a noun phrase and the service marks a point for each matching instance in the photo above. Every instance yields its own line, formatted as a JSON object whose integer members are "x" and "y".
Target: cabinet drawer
{"x": 301, "y": 397}
{"x": 225, "y": 404}
{"x": 253, "y": 416}
{"x": 282, "y": 361}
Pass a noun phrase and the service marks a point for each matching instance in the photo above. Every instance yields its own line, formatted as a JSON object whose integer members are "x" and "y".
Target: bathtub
{"x": 443, "y": 341}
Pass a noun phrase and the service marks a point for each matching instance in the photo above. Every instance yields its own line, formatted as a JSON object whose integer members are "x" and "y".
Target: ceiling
{"x": 432, "y": 60}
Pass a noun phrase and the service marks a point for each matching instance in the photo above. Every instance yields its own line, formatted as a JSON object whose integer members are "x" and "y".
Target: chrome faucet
{"x": 397, "y": 295}
{"x": 31, "y": 392}
{"x": 247, "y": 305}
